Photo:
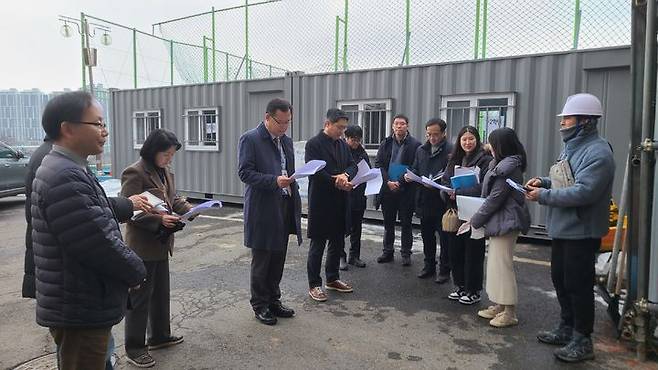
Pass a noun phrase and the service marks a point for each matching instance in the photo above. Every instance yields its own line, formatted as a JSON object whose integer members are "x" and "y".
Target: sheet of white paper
{"x": 428, "y": 182}
{"x": 371, "y": 174}
{"x": 364, "y": 173}
{"x": 205, "y": 206}
{"x": 414, "y": 177}
{"x": 516, "y": 186}
{"x": 375, "y": 185}
{"x": 468, "y": 206}
{"x": 309, "y": 168}
{"x": 154, "y": 201}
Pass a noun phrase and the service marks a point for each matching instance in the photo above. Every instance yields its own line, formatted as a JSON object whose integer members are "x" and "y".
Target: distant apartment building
{"x": 20, "y": 115}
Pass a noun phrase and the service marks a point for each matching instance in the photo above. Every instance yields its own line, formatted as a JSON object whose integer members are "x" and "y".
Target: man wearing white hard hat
{"x": 577, "y": 194}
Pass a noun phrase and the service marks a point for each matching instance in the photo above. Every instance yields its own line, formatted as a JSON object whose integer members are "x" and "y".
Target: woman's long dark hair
{"x": 458, "y": 152}
{"x": 159, "y": 140}
{"x": 504, "y": 143}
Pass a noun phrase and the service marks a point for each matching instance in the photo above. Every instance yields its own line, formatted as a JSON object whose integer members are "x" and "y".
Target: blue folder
{"x": 463, "y": 181}
{"x": 396, "y": 171}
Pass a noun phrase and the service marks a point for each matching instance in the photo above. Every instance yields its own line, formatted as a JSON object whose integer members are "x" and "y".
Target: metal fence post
{"x": 476, "y": 44}
{"x": 347, "y": 5}
{"x": 407, "y": 33}
{"x": 336, "y": 45}
{"x": 484, "y": 28}
{"x": 246, "y": 37}
{"x": 134, "y": 58}
{"x": 576, "y": 24}
{"x": 213, "y": 45}
{"x": 171, "y": 62}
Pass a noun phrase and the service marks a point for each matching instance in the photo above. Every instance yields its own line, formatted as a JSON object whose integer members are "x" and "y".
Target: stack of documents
{"x": 372, "y": 177}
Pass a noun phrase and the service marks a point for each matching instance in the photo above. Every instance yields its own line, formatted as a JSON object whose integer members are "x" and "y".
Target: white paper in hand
{"x": 308, "y": 169}
{"x": 427, "y": 181}
{"x": 468, "y": 206}
{"x": 413, "y": 177}
{"x": 374, "y": 185}
{"x": 364, "y": 174}
{"x": 203, "y": 207}
{"x": 155, "y": 202}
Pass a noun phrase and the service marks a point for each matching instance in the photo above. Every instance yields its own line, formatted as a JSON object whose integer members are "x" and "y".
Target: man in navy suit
{"x": 272, "y": 207}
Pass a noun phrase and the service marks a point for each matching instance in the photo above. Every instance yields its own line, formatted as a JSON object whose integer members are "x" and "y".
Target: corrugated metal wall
{"x": 540, "y": 83}
{"x": 213, "y": 172}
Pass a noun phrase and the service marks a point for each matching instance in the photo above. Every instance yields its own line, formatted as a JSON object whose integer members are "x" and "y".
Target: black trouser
{"x": 150, "y": 308}
{"x": 394, "y": 207}
{"x": 314, "y": 262}
{"x": 430, "y": 224}
{"x": 81, "y": 349}
{"x": 467, "y": 261}
{"x": 572, "y": 271}
{"x": 355, "y": 234}
{"x": 267, "y": 266}
{"x": 266, "y": 274}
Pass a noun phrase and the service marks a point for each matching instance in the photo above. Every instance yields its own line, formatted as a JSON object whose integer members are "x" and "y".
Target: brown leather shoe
{"x": 317, "y": 294}
{"x": 339, "y": 286}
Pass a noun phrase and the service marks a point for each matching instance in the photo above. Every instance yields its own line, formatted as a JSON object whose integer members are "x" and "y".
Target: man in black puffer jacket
{"x": 83, "y": 267}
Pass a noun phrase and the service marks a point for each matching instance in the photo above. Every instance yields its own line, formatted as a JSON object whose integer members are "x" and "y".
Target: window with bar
{"x": 373, "y": 116}
{"x": 143, "y": 123}
{"x": 201, "y": 129}
{"x": 487, "y": 112}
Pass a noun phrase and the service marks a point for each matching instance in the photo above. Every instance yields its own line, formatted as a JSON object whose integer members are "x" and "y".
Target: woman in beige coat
{"x": 150, "y": 235}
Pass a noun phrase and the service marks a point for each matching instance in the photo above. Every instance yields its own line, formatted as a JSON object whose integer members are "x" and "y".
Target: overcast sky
{"x": 294, "y": 34}
{"x": 34, "y": 54}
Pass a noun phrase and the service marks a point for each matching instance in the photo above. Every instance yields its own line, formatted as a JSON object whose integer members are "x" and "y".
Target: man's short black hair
{"x": 159, "y": 140}
{"x": 437, "y": 121}
{"x": 278, "y": 104}
{"x": 400, "y": 115}
{"x": 335, "y": 114}
{"x": 67, "y": 107}
{"x": 354, "y": 131}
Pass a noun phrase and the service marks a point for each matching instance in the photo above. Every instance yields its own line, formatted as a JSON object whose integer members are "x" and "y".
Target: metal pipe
{"x": 217, "y": 11}
{"x": 477, "y": 30}
{"x": 485, "y": 17}
{"x": 205, "y": 60}
{"x": 407, "y": 33}
{"x": 646, "y": 175}
{"x": 246, "y": 37}
{"x": 85, "y": 27}
{"x": 623, "y": 205}
{"x": 576, "y": 24}
{"x": 134, "y": 58}
{"x": 345, "y": 20}
{"x": 82, "y": 51}
{"x": 336, "y": 44}
{"x": 171, "y": 62}
{"x": 213, "y": 46}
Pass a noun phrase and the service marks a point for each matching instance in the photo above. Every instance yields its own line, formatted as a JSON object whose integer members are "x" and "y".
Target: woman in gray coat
{"x": 503, "y": 215}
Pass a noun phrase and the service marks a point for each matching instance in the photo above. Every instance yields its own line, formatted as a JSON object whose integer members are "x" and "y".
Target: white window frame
{"x": 201, "y": 147}
{"x": 361, "y": 103}
{"x": 473, "y": 106}
{"x": 137, "y": 145}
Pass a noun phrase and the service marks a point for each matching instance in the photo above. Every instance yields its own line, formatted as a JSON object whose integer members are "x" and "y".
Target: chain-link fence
{"x": 267, "y": 38}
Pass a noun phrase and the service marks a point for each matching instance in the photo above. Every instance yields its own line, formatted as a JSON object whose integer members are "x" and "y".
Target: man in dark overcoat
{"x": 328, "y": 203}
{"x": 272, "y": 207}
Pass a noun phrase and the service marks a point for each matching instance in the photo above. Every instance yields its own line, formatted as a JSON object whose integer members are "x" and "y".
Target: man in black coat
{"x": 272, "y": 207}
{"x": 397, "y": 197}
{"x": 83, "y": 268}
{"x": 431, "y": 160}
{"x": 328, "y": 203}
{"x": 353, "y": 136}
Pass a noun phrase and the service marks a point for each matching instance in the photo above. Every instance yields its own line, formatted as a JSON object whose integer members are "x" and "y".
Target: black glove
{"x": 164, "y": 233}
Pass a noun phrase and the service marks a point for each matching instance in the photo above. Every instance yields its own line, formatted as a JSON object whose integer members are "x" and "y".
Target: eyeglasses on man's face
{"x": 281, "y": 122}
{"x": 99, "y": 124}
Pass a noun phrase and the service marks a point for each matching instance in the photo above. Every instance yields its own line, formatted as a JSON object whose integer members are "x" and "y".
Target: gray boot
{"x": 579, "y": 349}
{"x": 559, "y": 336}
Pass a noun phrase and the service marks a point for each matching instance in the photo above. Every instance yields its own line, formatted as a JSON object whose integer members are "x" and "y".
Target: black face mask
{"x": 571, "y": 132}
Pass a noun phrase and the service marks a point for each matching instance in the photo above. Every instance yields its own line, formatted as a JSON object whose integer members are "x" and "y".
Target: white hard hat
{"x": 582, "y": 104}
